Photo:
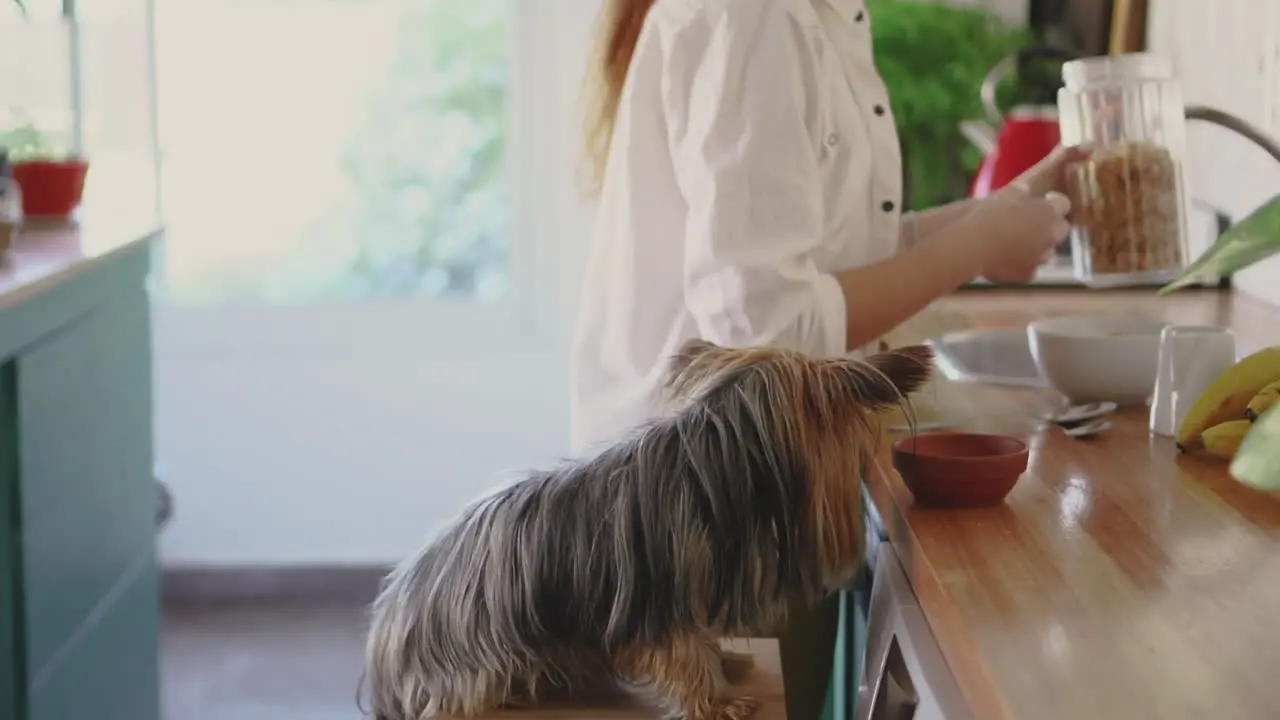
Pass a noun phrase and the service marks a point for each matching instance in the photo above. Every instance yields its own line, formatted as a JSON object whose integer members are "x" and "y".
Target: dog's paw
{"x": 519, "y": 696}
{"x": 520, "y": 701}
{"x": 738, "y": 708}
{"x": 736, "y": 665}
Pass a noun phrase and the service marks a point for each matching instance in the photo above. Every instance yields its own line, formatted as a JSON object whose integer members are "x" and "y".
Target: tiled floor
{"x": 276, "y": 662}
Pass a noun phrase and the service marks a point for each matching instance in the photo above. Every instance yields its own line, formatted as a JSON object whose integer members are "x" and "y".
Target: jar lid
{"x": 1115, "y": 70}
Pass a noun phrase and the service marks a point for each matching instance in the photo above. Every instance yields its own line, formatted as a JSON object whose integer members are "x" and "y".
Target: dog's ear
{"x": 689, "y": 353}
{"x": 907, "y": 368}
{"x": 695, "y": 362}
{"x": 700, "y": 366}
{"x": 887, "y": 378}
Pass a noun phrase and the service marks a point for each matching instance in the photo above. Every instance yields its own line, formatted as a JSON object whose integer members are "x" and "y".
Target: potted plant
{"x": 52, "y": 180}
{"x": 1249, "y": 242}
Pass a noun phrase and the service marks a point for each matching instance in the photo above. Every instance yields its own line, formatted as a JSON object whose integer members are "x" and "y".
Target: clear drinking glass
{"x": 1129, "y": 202}
{"x": 1191, "y": 357}
{"x": 10, "y": 213}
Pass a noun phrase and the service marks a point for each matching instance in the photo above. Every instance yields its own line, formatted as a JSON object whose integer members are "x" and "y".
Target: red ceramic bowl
{"x": 960, "y": 470}
{"x": 51, "y": 189}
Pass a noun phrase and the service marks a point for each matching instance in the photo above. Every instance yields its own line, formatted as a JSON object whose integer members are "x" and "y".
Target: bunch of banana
{"x": 1220, "y": 418}
{"x": 1263, "y": 401}
{"x": 1223, "y": 440}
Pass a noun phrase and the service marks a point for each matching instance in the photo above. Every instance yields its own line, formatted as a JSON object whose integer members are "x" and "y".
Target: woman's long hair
{"x": 617, "y": 33}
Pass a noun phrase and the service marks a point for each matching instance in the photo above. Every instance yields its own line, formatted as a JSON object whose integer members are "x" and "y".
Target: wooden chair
{"x": 763, "y": 682}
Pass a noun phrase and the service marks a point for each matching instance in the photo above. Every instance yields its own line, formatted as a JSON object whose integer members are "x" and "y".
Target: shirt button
{"x": 832, "y": 139}
{"x": 879, "y": 109}
{"x": 887, "y": 206}
{"x": 859, "y": 16}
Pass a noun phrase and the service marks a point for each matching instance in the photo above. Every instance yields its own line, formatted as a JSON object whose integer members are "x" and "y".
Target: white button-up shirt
{"x": 754, "y": 154}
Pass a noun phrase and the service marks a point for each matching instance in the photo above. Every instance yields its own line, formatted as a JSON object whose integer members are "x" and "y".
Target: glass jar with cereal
{"x": 1129, "y": 204}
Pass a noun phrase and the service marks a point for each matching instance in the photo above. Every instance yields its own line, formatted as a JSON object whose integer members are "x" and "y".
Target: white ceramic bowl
{"x": 1094, "y": 358}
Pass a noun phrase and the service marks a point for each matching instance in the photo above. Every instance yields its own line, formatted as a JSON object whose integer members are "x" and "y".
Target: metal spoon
{"x": 1079, "y": 414}
{"x": 1088, "y": 429}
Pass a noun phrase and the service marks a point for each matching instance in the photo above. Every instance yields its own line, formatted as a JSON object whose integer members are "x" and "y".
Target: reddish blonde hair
{"x": 617, "y": 33}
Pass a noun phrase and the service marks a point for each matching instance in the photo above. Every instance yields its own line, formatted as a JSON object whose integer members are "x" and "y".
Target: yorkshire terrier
{"x": 630, "y": 565}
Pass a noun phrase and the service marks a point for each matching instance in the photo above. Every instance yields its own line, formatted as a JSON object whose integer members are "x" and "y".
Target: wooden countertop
{"x": 44, "y": 256}
{"x": 1120, "y": 579}
{"x": 762, "y": 681}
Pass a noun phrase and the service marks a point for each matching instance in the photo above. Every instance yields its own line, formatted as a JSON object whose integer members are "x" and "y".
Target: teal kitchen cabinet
{"x": 79, "y": 585}
{"x": 841, "y": 690}
{"x": 851, "y": 635}
{"x": 851, "y": 641}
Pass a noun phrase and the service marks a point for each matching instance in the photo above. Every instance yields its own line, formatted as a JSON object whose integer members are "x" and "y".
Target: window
{"x": 116, "y": 99}
{"x": 371, "y": 248}
{"x": 35, "y": 78}
{"x": 354, "y": 149}
{"x": 310, "y": 152}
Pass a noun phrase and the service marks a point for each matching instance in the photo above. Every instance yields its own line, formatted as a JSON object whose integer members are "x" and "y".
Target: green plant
{"x": 933, "y": 58}
{"x": 26, "y": 142}
{"x": 1248, "y": 242}
{"x": 451, "y": 206}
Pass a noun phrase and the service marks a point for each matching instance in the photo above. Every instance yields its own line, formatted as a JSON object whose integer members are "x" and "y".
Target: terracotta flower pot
{"x": 51, "y": 188}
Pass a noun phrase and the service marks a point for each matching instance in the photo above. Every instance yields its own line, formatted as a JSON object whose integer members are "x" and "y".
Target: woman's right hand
{"x": 1014, "y": 232}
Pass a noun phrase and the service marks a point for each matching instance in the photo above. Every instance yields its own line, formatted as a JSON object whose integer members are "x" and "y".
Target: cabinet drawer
{"x": 71, "y": 565}
{"x": 84, "y": 405}
{"x": 84, "y": 453}
{"x": 110, "y": 672}
{"x": 904, "y": 673}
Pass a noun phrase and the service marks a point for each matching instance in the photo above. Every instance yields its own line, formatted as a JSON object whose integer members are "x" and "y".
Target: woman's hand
{"x": 1050, "y": 174}
{"x": 1004, "y": 237}
{"x": 1015, "y": 230}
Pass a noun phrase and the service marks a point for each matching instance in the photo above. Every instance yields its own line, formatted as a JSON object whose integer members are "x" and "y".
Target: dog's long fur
{"x": 632, "y": 563}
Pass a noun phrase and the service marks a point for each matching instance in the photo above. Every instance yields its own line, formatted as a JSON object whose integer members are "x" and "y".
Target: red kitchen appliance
{"x": 1015, "y": 141}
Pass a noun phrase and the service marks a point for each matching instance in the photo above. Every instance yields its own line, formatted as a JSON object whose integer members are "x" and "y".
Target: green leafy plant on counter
{"x": 1247, "y": 243}
{"x": 933, "y": 58}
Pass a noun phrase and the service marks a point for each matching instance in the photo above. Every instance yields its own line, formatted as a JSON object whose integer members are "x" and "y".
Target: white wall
{"x": 1227, "y": 54}
{"x": 358, "y": 478}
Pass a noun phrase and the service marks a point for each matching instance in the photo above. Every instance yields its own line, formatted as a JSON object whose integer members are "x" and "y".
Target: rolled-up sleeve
{"x": 735, "y": 97}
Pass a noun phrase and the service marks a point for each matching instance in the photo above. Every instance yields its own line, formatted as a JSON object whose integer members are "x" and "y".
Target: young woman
{"x": 749, "y": 184}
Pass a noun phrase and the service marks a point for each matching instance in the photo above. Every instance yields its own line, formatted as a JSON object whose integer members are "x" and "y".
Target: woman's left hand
{"x": 1049, "y": 175}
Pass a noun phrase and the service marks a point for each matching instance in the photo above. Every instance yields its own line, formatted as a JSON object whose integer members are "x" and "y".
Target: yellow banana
{"x": 1223, "y": 440}
{"x": 1263, "y": 401}
{"x": 1228, "y": 395}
